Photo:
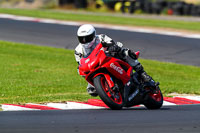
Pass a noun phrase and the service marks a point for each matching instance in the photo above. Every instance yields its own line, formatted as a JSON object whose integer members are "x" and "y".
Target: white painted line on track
{"x": 197, "y": 98}
{"x": 8, "y": 107}
{"x": 107, "y": 26}
{"x": 165, "y": 103}
{"x": 73, "y": 105}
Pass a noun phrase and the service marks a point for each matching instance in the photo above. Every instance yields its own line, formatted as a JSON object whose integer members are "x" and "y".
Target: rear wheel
{"x": 112, "y": 98}
{"x": 154, "y": 99}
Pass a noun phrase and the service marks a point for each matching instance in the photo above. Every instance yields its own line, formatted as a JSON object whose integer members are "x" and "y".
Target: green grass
{"x": 30, "y": 73}
{"x": 174, "y": 24}
{"x": 38, "y": 74}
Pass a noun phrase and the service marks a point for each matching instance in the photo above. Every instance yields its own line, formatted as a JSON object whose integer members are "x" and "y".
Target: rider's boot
{"x": 91, "y": 90}
{"x": 142, "y": 74}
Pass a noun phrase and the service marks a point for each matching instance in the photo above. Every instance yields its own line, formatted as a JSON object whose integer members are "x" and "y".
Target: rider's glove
{"x": 107, "y": 43}
{"x": 114, "y": 48}
{"x": 125, "y": 52}
{"x": 119, "y": 44}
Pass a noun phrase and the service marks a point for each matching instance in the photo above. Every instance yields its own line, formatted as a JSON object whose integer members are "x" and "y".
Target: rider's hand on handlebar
{"x": 114, "y": 48}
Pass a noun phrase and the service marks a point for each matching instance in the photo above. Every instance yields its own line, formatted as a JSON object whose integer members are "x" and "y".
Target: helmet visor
{"x": 86, "y": 39}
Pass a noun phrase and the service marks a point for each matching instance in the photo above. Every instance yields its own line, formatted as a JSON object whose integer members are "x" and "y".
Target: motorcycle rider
{"x": 88, "y": 40}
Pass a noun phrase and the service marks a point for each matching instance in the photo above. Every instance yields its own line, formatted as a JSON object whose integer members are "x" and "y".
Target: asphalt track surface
{"x": 169, "y": 119}
{"x": 152, "y": 46}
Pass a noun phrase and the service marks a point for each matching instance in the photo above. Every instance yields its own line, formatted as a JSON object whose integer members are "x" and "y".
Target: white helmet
{"x": 86, "y": 35}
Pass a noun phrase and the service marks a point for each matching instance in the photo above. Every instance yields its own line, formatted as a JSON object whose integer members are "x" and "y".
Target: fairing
{"x": 99, "y": 63}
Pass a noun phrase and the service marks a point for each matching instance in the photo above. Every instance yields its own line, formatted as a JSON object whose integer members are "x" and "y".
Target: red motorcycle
{"x": 115, "y": 82}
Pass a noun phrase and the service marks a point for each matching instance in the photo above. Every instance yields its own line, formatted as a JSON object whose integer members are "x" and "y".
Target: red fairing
{"x": 86, "y": 64}
{"x": 111, "y": 78}
{"x": 114, "y": 66}
{"x": 97, "y": 62}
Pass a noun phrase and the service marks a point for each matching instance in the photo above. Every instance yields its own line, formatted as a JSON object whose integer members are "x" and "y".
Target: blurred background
{"x": 163, "y": 7}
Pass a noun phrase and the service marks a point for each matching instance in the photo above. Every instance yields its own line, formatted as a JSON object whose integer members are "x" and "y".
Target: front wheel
{"x": 112, "y": 98}
{"x": 154, "y": 100}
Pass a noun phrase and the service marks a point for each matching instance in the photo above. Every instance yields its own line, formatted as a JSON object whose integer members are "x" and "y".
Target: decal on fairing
{"x": 87, "y": 60}
{"x": 133, "y": 95}
{"x": 116, "y": 68}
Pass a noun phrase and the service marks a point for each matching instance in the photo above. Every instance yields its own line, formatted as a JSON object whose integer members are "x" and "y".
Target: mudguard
{"x": 107, "y": 77}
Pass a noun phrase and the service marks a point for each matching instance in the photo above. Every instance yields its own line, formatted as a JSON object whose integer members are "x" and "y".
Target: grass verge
{"x": 173, "y": 24}
{"x": 30, "y": 73}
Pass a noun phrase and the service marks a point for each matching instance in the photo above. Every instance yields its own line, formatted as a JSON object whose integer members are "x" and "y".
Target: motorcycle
{"x": 116, "y": 83}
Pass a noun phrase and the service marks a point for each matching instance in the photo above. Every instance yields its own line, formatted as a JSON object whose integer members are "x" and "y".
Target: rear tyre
{"x": 111, "y": 98}
{"x": 154, "y": 100}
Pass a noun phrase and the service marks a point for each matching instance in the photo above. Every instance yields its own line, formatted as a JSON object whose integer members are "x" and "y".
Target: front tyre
{"x": 112, "y": 98}
{"x": 154, "y": 100}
